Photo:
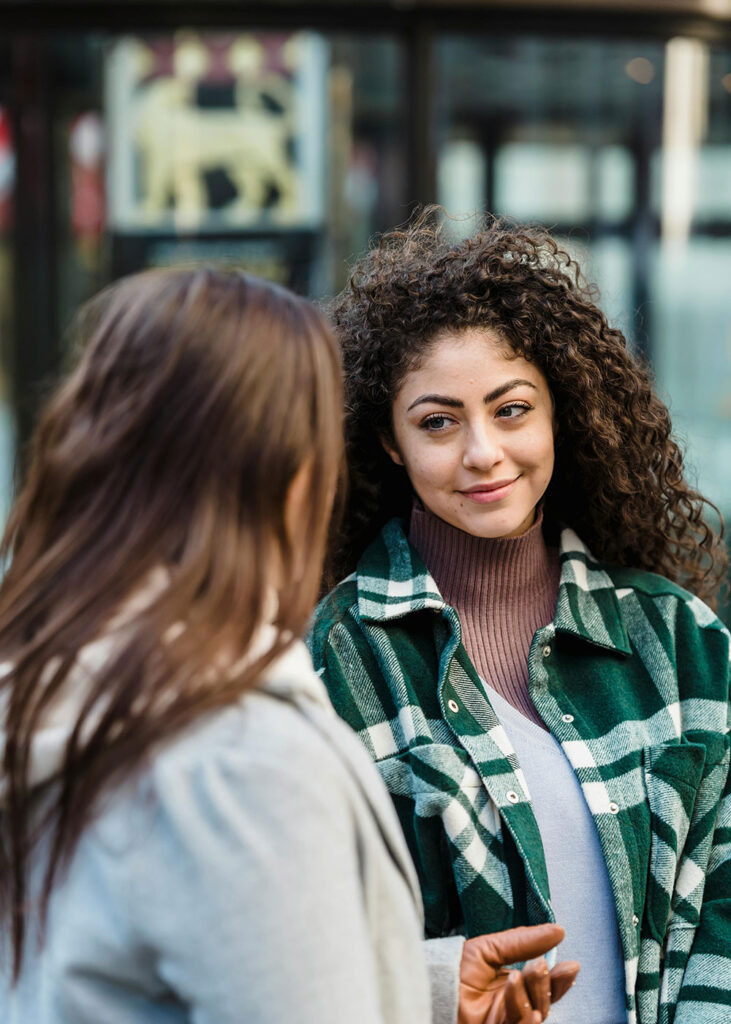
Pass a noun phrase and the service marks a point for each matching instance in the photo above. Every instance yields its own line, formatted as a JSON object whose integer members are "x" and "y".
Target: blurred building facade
{"x": 281, "y": 136}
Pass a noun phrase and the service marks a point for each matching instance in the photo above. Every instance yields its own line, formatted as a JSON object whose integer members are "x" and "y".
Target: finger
{"x": 537, "y": 983}
{"x": 562, "y": 978}
{"x": 524, "y": 943}
{"x": 518, "y": 1009}
{"x": 475, "y": 970}
{"x": 496, "y": 1013}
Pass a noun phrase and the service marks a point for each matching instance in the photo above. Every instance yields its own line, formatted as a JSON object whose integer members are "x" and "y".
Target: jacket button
{"x": 546, "y": 650}
{"x": 453, "y": 706}
{"x": 613, "y": 808}
{"x": 635, "y": 920}
{"x": 512, "y": 796}
{"x": 567, "y": 718}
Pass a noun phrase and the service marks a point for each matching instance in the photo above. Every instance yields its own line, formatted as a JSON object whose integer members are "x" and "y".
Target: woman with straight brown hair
{"x": 187, "y": 832}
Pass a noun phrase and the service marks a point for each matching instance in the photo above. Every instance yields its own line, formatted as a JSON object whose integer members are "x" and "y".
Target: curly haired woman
{"x": 546, "y": 703}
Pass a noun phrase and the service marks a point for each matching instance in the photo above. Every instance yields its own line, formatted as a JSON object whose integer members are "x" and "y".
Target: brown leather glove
{"x": 489, "y": 993}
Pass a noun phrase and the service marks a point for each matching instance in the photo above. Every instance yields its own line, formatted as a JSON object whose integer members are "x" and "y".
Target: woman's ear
{"x": 298, "y": 494}
{"x": 392, "y": 451}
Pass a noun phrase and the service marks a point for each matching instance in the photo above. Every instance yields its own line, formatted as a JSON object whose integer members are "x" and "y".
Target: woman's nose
{"x": 482, "y": 450}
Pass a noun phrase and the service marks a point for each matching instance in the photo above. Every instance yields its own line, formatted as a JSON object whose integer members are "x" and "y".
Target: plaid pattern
{"x": 632, "y": 677}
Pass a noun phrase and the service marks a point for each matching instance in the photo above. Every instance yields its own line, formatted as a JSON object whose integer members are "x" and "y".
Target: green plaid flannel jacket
{"x": 632, "y": 677}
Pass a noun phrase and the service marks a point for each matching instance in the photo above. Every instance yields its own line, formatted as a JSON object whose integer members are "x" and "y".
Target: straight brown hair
{"x": 197, "y": 398}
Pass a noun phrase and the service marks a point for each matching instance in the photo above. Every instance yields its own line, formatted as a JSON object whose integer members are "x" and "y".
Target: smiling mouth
{"x": 484, "y": 494}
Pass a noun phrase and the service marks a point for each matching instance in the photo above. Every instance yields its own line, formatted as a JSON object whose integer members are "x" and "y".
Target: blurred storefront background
{"x": 281, "y": 136}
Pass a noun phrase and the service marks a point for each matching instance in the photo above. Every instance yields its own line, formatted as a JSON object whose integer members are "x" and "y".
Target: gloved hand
{"x": 489, "y": 993}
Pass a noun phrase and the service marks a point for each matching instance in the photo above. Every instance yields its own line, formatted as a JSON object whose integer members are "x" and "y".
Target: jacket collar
{"x": 393, "y": 581}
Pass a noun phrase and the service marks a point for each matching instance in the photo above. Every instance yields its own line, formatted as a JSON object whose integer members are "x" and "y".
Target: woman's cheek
{"x": 539, "y": 450}
{"x": 434, "y": 468}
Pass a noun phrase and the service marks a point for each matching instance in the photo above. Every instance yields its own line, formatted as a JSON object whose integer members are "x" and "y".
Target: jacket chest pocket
{"x": 673, "y": 775}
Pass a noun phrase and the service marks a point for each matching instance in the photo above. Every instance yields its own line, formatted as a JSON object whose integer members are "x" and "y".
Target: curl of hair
{"x": 618, "y": 479}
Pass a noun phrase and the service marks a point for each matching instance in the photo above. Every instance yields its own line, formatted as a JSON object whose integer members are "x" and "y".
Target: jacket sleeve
{"x": 705, "y": 992}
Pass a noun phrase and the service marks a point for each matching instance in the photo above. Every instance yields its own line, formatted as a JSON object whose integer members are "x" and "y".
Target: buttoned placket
{"x": 507, "y": 797}
{"x": 505, "y": 790}
{"x": 562, "y": 725}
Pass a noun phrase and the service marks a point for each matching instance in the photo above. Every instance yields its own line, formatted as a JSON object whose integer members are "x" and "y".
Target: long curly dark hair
{"x": 618, "y": 479}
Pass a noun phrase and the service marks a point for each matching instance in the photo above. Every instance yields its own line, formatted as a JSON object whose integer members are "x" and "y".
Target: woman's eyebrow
{"x": 504, "y": 388}
{"x": 453, "y": 403}
{"x": 491, "y": 396}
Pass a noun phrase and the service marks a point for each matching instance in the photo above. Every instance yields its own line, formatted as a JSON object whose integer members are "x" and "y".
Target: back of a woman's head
{"x": 168, "y": 454}
{"x": 618, "y": 478}
{"x": 196, "y": 398}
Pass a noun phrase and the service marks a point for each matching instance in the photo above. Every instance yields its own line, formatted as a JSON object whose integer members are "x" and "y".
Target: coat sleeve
{"x": 705, "y": 992}
{"x": 251, "y": 895}
{"x": 342, "y": 658}
{"x": 443, "y": 959}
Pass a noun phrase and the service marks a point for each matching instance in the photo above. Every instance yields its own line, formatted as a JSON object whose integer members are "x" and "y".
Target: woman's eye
{"x": 513, "y": 411}
{"x": 435, "y": 423}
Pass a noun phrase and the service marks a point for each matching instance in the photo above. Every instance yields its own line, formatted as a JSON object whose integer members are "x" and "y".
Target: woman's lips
{"x": 489, "y": 493}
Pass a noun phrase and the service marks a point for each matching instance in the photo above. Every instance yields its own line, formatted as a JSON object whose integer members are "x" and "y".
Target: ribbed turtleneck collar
{"x": 515, "y": 568}
{"x": 504, "y": 589}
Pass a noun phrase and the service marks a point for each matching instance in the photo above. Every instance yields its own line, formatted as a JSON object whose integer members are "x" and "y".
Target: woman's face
{"x": 473, "y": 426}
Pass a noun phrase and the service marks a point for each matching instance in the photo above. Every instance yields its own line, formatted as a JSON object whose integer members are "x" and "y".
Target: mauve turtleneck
{"x": 503, "y": 589}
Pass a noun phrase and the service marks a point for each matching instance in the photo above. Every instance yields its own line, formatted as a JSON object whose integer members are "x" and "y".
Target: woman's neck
{"x": 463, "y": 565}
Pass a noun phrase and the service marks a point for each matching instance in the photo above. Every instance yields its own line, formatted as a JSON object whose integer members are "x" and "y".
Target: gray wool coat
{"x": 254, "y": 873}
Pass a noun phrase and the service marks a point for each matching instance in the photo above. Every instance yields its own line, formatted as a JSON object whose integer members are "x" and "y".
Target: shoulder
{"x": 650, "y": 584}
{"x": 387, "y": 557}
{"x": 341, "y": 646}
{"x": 262, "y": 743}
{"x": 668, "y": 622}
{"x": 340, "y": 605}
{"x": 669, "y": 598}
{"x": 667, "y": 632}
{"x": 635, "y": 589}
{"x": 390, "y": 582}
{"x": 274, "y": 760}
{"x": 279, "y": 771}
